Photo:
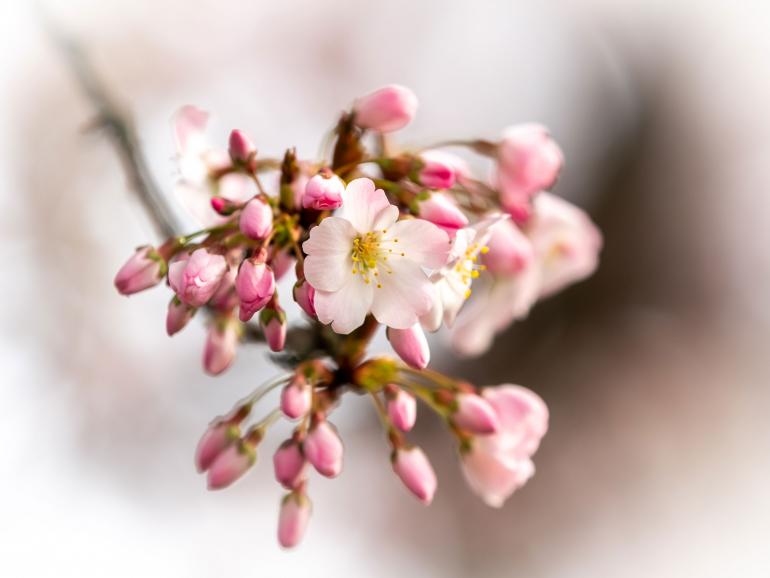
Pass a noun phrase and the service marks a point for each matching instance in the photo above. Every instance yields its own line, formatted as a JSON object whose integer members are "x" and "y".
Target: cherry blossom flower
{"x": 498, "y": 464}
{"x": 506, "y": 295}
{"x": 196, "y": 160}
{"x": 529, "y": 161}
{"x": 453, "y": 282}
{"x": 365, "y": 261}
{"x": 566, "y": 242}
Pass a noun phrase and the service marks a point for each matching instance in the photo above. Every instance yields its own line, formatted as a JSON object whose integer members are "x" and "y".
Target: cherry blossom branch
{"x": 116, "y": 121}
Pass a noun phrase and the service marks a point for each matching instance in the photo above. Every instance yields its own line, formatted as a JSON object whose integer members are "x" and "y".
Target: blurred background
{"x": 655, "y": 369}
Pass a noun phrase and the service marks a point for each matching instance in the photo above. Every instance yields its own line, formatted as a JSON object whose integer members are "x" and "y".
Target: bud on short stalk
{"x": 415, "y": 471}
{"x": 402, "y": 408}
{"x": 255, "y": 285}
{"x": 178, "y": 315}
{"x": 323, "y": 448}
{"x": 256, "y": 220}
{"x": 241, "y": 149}
{"x": 386, "y": 110}
{"x": 289, "y": 464}
{"x": 410, "y": 345}
{"x": 143, "y": 270}
{"x": 272, "y": 319}
{"x": 293, "y": 518}
{"x": 232, "y": 463}
{"x": 434, "y": 174}
{"x": 323, "y": 192}
{"x": 440, "y": 209}
{"x": 219, "y": 436}
{"x": 197, "y": 278}
{"x": 296, "y": 398}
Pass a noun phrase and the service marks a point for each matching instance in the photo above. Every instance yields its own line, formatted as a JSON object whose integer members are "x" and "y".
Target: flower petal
{"x": 422, "y": 242}
{"x": 362, "y": 205}
{"x": 493, "y": 480}
{"x": 345, "y": 308}
{"x": 405, "y": 293}
{"x": 328, "y": 265}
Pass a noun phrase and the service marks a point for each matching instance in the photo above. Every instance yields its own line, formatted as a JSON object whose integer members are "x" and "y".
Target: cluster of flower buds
{"x": 376, "y": 235}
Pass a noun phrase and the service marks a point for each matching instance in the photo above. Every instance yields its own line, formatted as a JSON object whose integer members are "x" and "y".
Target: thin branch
{"x": 117, "y": 122}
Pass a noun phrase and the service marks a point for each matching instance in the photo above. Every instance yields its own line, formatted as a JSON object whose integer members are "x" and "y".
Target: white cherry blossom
{"x": 367, "y": 261}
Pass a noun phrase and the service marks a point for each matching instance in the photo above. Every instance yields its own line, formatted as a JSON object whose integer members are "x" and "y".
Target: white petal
{"x": 405, "y": 294}
{"x": 421, "y": 241}
{"x": 347, "y": 308}
{"x": 362, "y": 204}
{"x": 328, "y": 265}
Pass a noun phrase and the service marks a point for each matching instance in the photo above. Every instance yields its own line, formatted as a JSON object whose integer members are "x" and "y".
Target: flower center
{"x": 370, "y": 254}
{"x": 467, "y": 267}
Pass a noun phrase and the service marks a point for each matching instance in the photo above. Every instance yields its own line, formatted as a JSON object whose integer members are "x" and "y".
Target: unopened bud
{"x": 475, "y": 414}
{"x": 323, "y": 448}
{"x": 240, "y": 147}
{"x": 272, "y": 319}
{"x": 296, "y": 398}
{"x": 293, "y": 518}
{"x": 178, "y": 315}
{"x": 385, "y": 110}
{"x": 143, "y": 270}
{"x": 289, "y": 464}
{"x": 323, "y": 192}
{"x": 410, "y": 345}
{"x": 230, "y": 465}
{"x": 415, "y": 471}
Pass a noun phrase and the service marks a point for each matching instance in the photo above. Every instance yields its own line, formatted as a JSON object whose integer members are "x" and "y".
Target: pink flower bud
{"x": 402, "y": 410}
{"x": 230, "y": 465}
{"x": 475, "y": 414}
{"x": 215, "y": 439}
{"x": 415, "y": 471}
{"x": 273, "y": 322}
{"x": 195, "y": 280}
{"x": 528, "y": 162}
{"x": 296, "y": 398}
{"x": 509, "y": 250}
{"x": 293, "y": 519}
{"x": 435, "y": 174}
{"x": 256, "y": 220}
{"x": 323, "y": 449}
{"x": 304, "y": 294}
{"x": 241, "y": 148}
{"x": 221, "y": 346}
{"x": 143, "y": 270}
{"x": 255, "y": 285}
{"x": 387, "y": 109}
{"x": 459, "y": 165}
{"x": 289, "y": 464}
{"x": 441, "y": 210}
{"x": 323, "y": 192}
{"x": 410, "y": 345}
{"x": 178, "y": 316}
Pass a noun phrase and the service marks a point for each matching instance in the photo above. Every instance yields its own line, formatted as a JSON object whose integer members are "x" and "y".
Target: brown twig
{"x": 117, "y": 122}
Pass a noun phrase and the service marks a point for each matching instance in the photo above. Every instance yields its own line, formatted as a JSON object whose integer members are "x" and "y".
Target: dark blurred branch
{"x": 117, "y": 122}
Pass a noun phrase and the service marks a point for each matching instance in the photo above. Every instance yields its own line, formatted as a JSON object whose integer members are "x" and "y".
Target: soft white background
{"x": 656, "y": 370}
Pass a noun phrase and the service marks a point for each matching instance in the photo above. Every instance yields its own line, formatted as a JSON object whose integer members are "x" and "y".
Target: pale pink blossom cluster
{"x": 376, "y": 236}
